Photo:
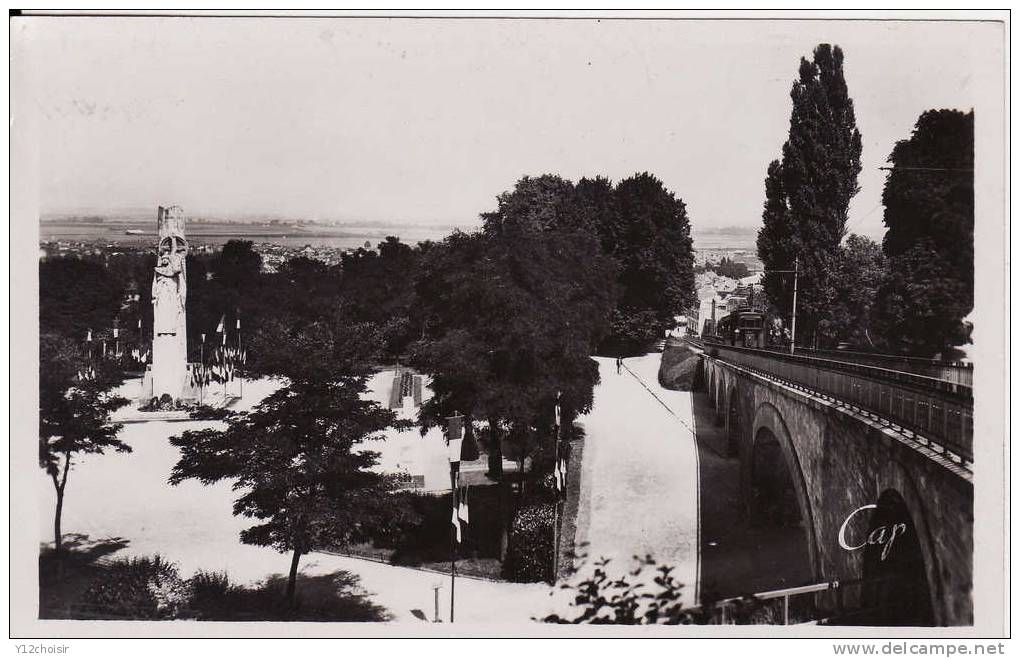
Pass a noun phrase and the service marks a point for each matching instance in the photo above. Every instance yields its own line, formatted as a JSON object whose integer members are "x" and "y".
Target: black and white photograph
{"x": 469, "y": 324}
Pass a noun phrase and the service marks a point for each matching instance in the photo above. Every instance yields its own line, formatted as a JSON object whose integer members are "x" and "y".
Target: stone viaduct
{"x": 834, "y": 461}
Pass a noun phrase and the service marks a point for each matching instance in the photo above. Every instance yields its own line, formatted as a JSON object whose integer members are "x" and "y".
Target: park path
{"x": 639, "y": 476}
{"x": 124, "y": 499}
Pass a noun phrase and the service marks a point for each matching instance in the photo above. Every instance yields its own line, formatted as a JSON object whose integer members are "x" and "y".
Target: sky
{"x": 427, "y": 121}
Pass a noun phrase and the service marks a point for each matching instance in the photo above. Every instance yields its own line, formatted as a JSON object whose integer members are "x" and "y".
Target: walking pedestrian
{"x": 619, "y": 362}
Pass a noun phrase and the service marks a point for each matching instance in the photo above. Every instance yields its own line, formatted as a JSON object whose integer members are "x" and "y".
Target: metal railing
{"x": 827, "y": 602}
{"x": 956, "y": 372}
{"x": 937, "y": 413}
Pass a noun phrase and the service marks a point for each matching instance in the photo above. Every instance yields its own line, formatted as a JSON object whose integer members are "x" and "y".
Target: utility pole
{"x": 793, "y": 322}
{"x": 793, "y": 312}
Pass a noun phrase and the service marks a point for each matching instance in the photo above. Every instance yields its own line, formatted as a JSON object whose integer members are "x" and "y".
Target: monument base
{"x": 191, "y": 396}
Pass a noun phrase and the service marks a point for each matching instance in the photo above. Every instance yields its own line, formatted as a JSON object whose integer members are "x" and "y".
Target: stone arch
{"x": 897, "y": 479}
{"x": 734, "y": 430}
{"x": 721, "y": 399}
{"x": 770, "y": 433}
{"x": 896, "y": 566}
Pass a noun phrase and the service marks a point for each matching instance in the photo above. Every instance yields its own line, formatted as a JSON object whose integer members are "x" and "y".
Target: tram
{"x": 742, "y": 328}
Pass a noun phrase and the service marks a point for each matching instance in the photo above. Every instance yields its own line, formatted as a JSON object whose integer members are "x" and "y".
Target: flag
{"x": 462, "y": 508}
{"x": 116, "y": 332}
{"x": 455, "y": 434}
{"x": 557, "y": 409}
{"x": 88, "y": 336}
{"x": 139, "y": 324}
{"x": 219, "y": 327}
{"x": 455, "y": 519}
{"x": 238, "y": 326}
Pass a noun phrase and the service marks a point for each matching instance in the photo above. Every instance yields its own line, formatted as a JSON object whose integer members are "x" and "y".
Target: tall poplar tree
{"x": 808, "y": 193}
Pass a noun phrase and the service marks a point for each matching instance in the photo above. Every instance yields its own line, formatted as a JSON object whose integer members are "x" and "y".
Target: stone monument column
{"x": 169, "y": 297}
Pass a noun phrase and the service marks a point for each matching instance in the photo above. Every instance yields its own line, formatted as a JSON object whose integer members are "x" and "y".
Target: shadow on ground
{"x": 89, "y": 582}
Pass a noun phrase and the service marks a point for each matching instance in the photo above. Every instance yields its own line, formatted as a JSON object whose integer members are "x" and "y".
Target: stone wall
{"x": 841, "y": 461}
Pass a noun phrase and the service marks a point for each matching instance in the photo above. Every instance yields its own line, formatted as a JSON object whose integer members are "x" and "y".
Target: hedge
{"x": 529, "y": 556}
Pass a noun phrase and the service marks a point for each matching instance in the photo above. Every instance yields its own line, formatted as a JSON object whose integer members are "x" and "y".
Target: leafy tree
{"x": 298, "y": 460}
{"x": 77, "y": 295}
{"x": 75, "y": 405}
{"x": 729, "y": 268}
{"x": 237, "y": 264}
{"x": 647, "y": 231}
{"x": 378, "y": 287}
{"x": 859, "y": 273}
{"x": 513, "y": 313}
{"x": 808, "y": 193}
{"x": 929, "y": 215}
{"x": 298, "y": 456}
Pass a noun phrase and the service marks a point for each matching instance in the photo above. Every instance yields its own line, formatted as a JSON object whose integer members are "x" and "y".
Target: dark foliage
{"x": 136, "y": 588}
{"x": 529, "y": 556}
{"x": 729, "y": 268}
{"x": 929, "y": 215}
{"x": 77, "y": 295}
{"x": 512, "y": 315}
{"x": 648, "y": 233}
{"x": 633, "y": 599}
{"x": 330, "y": 597}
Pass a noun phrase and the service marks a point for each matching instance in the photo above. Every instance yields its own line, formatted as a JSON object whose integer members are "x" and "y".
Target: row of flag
{"x": 223, "y": 366}
{"x": 560, "y": 474}
{"x": 460, "y": 512}
{"x": 87, "y": 375}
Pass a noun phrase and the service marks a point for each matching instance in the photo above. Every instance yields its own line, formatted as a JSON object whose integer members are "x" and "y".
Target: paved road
{"x": 639, "y": 477}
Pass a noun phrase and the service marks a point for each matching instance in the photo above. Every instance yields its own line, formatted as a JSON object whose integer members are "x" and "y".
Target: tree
{"x": 77, "y": 295}
{"x": 729, "y": 268}
{"x": 378, "y": 286}
{"x": 860, "y": 272}
{"x": 297, "y": 458}
{"x": 647, "y": 231}
{"x": 75, "y": 405}
{"x": 807, "y": 194}
{"x": 929, "y": 215}
{"x": 513, "y": 314}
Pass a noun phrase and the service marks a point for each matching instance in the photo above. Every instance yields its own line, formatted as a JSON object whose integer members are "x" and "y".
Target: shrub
{"x": 137, "y": 588}
{"x": 529, "y": 555}
{"x": 330, "y": 597}
{"x": 632, "y": 599}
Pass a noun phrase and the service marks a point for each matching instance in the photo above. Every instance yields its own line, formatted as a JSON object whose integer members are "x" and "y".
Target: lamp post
{"x": 455, "y": 440}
